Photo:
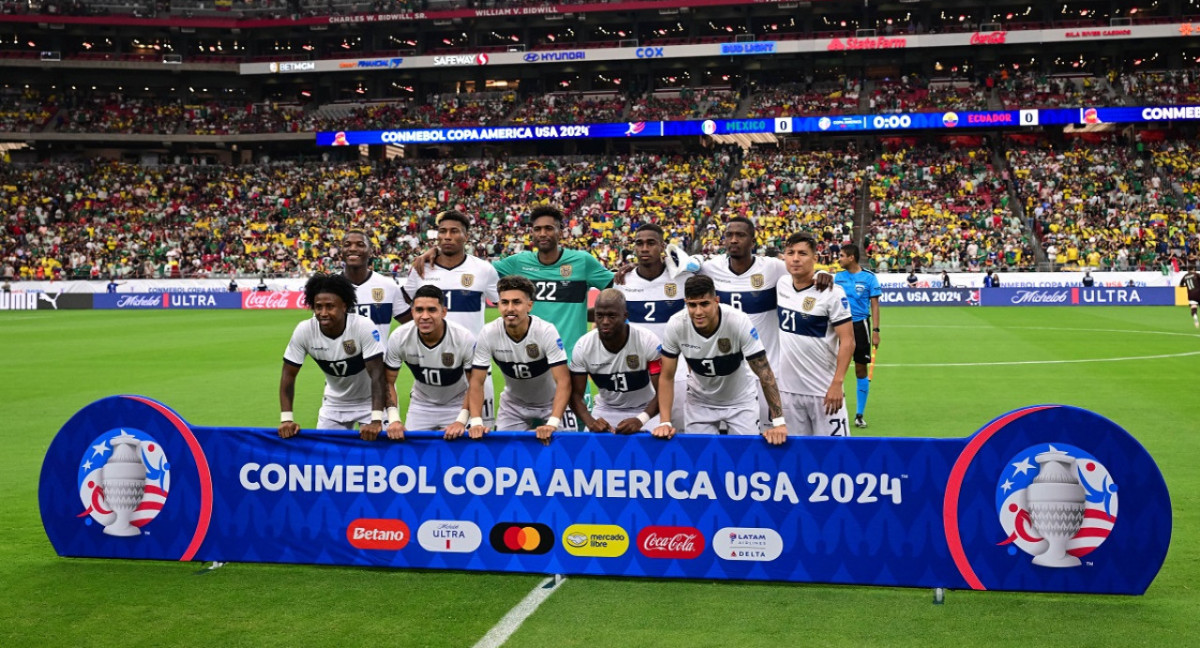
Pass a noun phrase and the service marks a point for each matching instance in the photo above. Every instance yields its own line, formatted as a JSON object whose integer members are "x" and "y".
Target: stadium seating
{"x": 799, "y": 100}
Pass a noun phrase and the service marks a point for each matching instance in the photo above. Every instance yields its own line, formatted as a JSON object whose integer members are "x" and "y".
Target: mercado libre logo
{"x": 124, "y": 478}
{"x": 1056, "y": 503}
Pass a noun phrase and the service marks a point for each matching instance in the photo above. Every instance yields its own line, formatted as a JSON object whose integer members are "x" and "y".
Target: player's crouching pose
{"x": 722, "y": 349}
{"x": 530, "y": 353}
{"x": 624, "y": 361}
{"x": 439, "y": 354}
{"x": 816, "y": 342}
{"x": 348, "y": 349}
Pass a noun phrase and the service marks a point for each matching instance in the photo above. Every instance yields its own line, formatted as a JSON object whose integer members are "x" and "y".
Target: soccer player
{"x": 817, "y": 340}
{"x": 1191, "y": 281}
{"x": 624, "y": 361}
{"x": 530, "y": 353}
{"x": 722, "y": 348}
{"x": 468, "y": 283}
{"x": 379, "y": 298}
{"x": 346, "y": 346}
{"x": 652, "y": 296}
{"x": 439, "y": 354}
{"x": 862, "y": 288}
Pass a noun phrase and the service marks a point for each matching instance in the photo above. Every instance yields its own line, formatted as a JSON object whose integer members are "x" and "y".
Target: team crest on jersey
{"x": 467, "y": 280}
{"x": 377, "y": 294}
{"x": 533, "y": 350}
{"x": 566, "y": 271}
{"x": 349, "y": 347}
{"x": 670, "y": 290}
{"x": 809, "y": 302}
{"x": 632, "y": 361}
{"x": 757, "y": 281}
{"x": 724, "y": 345}
{"x": 447, "y": 359}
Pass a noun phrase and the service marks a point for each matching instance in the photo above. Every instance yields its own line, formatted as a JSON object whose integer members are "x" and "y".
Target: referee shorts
{"x": 862, "y": 341}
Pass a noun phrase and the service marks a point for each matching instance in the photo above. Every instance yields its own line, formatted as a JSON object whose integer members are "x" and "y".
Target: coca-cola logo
{"x": 273, "y": 299}
{"x": 989, "y": 38}
{"x": 1040, "y": 297}
{"x": 670, "y": 542}
{"x": 140, "y": 301}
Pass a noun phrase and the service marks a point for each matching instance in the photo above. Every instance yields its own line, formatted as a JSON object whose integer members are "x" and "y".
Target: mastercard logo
{"x": 522, "y": 538}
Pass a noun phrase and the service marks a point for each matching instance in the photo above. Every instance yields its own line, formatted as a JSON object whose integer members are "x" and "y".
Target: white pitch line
{"x": 516, "y": 616}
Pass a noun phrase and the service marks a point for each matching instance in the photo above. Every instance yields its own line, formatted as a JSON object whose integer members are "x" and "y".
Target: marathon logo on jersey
{"x": 349, "y": 347}
{"x": 533, "y": 351}
{"x": 757, "y": 281}
{"x": 377, "y": 534}
{"x": 670, "y": 290}
{"x": 449, "y": 536}
{"x": 522, "y": 538}
{"x": 724, "y": 345}
{"x": 682, "y": 542}
{"x": 467, "y": 280}
{"x": 124, "y": 479}
{"x": 1056, "y": 503}
{"x": 447, "y": 359}
{"x": 632, "y": 361}
{"x": 747, "y": 543}
{"x": 377, "y": 294}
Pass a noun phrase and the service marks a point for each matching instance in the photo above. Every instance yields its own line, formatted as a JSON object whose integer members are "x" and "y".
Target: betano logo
{"x": 522, "y": 538}
{"x": 596, "y": 540}
{"x": 378, "y": 534}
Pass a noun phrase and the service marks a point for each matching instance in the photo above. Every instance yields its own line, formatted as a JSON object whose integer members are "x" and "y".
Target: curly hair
{"x": 333, "y": 284}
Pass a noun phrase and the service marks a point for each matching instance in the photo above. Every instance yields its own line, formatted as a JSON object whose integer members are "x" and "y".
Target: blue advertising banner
{"x": 930, "y": 296}
{"x": 190, "y": 300}
{"x": 1079, "y": 296}
{"x": 1029, "y": 502}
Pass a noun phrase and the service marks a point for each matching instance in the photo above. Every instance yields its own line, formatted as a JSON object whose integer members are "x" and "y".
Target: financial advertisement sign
{"x": 1044, "y": 498}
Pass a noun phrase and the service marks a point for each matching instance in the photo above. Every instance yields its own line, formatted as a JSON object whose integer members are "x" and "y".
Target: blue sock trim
{"x": 864, "y": 389}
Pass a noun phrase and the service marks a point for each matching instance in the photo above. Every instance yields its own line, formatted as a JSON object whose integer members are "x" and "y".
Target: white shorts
{"x": 805, "y": 416}
{"x": 515, "y": 416}
{"x": 342, "y": 418}
{"x": 427, "y": 416}
{"x": 615, "y": 416}
{"x": 741, "y": 420}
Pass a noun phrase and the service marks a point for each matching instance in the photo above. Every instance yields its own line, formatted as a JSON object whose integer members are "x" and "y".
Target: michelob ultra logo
{"x": 382, "y": 535}
{"x": 596, "y": 540}
{"x": 454, "y": 536}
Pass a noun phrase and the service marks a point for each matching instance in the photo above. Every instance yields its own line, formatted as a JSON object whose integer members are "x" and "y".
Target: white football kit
{"x": 622, "y": 377}
{"x": 380, "y": 300}
{"x": 651, "y": 303}
{"x": 721, "y": 387}
{"x": 528, "y": 396}
{"x": 347, "y": 398}
{"x": 439, "y": 373}
{"x": 808, "y": 357}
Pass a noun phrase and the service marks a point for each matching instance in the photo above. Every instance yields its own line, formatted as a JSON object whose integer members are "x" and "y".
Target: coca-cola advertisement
{"x": 274, "y": 300}
{"x": 670, "y": 542}
{"x": 989, "y": 38}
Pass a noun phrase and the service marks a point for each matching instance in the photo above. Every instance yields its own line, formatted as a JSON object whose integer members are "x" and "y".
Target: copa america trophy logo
{"x": 1060, "y": 510}
{"x": 124, "y": 478}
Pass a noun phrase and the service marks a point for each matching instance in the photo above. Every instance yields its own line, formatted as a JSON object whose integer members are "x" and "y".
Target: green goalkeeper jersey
{"x": 560, "y": 289}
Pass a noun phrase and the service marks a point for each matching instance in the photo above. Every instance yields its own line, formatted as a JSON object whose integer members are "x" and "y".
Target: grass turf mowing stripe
{"x": 516, "y": 616}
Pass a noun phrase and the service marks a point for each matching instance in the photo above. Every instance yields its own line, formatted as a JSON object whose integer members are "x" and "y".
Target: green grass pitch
{"x": 941, "y": 372}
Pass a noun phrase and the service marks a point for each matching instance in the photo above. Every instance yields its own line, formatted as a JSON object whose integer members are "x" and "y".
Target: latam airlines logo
{"x": 747, "y": 543}
{"x": 124, "y": 479}
{"x": 1056, "y": 503}
{"x": 461, "y": 59}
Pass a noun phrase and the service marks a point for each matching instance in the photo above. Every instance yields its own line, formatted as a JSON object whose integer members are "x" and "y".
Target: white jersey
{"x": 440, "y": 371}
{"x": 808, "y": 344}
{"x": 343, "y": 359}
{"x": 652, "y": 302}
{"x": 752, "y": 292}
{"x": 623, "y": 378}
{"x": 720, "y": 376}
{"x": 468, "y": 287}
{"x": 380, "y": 300}
{"x": 526, "y": 363}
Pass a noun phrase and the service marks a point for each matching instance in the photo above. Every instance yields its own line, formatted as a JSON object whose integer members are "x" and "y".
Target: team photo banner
{"x": 1045, "y": 498}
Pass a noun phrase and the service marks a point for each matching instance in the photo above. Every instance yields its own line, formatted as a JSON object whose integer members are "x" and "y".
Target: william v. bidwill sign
{"x": 1045, "y": 498}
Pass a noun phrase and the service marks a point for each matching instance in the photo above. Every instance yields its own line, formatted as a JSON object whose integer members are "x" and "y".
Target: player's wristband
{"x": 643, "y": 417}
{"x": 478, "y": 420}
{"x": 286, "y": 417}
{"x": 667, "y": 423}
{"x": 875, "y": 329}
{"x": 376, "y": 415}
{"x": 554, "y": 422}
{"x": 778, "y": 421}
{"x": 464, "y": 416}
{"x": 393, "y": 415}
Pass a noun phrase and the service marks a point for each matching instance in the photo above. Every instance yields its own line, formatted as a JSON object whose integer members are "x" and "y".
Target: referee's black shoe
{"x": 859, "y": 422}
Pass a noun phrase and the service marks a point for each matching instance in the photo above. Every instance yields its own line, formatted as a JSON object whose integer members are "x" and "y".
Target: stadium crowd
{"x": 911, "y": 93}
{"x": 806, "y": 99}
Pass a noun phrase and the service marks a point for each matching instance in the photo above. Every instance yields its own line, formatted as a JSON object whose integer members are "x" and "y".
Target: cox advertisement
{"x": 1044, "y": 498}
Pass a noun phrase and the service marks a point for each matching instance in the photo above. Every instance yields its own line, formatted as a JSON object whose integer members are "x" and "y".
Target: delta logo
{"x": 670, "y": 542}
{"x": 596, "y": 540}
{"x": 522, "y": 538}
{"x": 378, "y": 534}
{"x": 747, "y": 543}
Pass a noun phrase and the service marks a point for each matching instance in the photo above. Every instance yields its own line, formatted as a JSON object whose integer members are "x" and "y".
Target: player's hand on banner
{"x": 630, "y": 425}
{"x": 621, "y": 273}
{"x": 477, "y": 431}
{"x": 834, "y": 398}
{"x": 395, "y": 431}
{"x": 599, "y": 425}
{"x": 664, "y": 431}
{"x": 776, "y": 435}
{"x": 454, "y": 431}
{"x": 370, "y": 431}
{"x": 425, "y": 258}
{"x": 822, "y": 280}
{"x": 288, "y": 429}
{"x": 543, "y": 433}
